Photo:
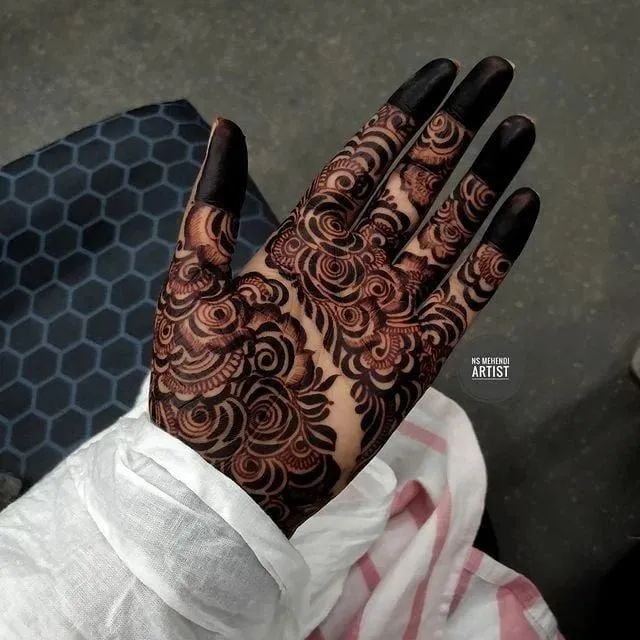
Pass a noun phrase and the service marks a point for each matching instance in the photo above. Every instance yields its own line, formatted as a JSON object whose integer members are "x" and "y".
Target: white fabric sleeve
{"x": 135, "y": 536}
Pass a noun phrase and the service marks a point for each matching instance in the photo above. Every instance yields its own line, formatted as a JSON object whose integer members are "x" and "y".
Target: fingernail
{"x": 223, "y": 180}
{"x": 505, "y": 151}
{"x": 512, "y": 225}
{"x": 532, "y": 118}
{"x": 480, "y": 91}
{"x": 424, "y": 91}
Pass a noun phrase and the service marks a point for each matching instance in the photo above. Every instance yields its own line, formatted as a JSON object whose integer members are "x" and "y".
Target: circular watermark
{"x": 492, "y": 368}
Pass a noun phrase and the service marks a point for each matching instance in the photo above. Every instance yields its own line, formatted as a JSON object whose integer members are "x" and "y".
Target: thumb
{"x": 210, "y": 223}
{"x": 223, "y": 178}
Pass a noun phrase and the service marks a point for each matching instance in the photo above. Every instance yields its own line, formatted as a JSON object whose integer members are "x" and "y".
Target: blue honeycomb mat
{"x": 87, "y": 228}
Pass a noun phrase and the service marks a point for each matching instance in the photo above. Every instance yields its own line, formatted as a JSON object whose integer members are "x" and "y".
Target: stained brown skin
{"x": 290, "y": 376}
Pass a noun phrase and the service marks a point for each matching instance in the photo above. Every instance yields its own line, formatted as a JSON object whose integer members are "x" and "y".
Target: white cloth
{"x": 134, "y": 536}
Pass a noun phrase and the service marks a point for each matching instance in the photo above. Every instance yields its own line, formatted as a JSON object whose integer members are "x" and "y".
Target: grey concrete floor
{"x": 562, "y": 454}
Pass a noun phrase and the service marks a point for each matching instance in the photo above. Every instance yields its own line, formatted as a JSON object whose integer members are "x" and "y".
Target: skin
{"x": 290, "y": 376}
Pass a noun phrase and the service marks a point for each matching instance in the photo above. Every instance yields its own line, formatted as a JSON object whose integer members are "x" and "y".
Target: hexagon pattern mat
{"x": 87, "y": 228}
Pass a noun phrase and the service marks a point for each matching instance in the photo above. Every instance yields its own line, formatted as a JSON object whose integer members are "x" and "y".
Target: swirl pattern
{"x": 448, "y": 231}
{"x": 232, "y": 378}
{"x": 289, "y": 377}
{"x": 365, "y": 307}
{"x": 441, "y": 144}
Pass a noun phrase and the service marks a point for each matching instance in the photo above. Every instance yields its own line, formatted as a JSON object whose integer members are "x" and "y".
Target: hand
{"x": 290, "y": 376}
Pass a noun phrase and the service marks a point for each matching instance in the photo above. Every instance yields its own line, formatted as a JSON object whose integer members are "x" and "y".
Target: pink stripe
{"x": 428, "y": 438}
{"x": 421, "y": 507}
{"x": 524, "y": 590}
{"x": 411, "y": 632}
{"x": 403, "y": 497}
{"x": 316, "y": 634}
{"x": 369, "y": 571}
{"x": 371, "y": 576}
{"x": 353, "y": 632}
{"x": 471, "y": 566}
{"x": 513, "y": 623}
{"x": 414, "y": 499}
{"x": 443, "y": 519}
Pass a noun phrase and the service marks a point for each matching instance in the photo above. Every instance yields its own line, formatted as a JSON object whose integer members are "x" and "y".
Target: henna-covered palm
{"x": 290, "y": 376}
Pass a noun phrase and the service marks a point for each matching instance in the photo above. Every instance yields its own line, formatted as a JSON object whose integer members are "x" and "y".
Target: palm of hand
{"x": 291, "y": 376}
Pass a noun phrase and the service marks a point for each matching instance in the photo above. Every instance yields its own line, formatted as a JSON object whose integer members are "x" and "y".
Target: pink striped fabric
{"x": 424, "y": 436}
{"x": 426, "y": 537}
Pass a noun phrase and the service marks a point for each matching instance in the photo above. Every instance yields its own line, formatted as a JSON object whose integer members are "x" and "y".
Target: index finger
{"x": 349, "y": 179}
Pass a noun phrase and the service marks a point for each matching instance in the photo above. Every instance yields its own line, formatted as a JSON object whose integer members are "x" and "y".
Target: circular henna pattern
{"x": 441, "y": 144}
{"x": 234, "y": 375}
{"x": 364, "y": 306}
{"x": 232, "y": 378}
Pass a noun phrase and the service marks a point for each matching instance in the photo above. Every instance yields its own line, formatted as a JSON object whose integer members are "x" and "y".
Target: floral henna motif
{"x": 447, "y": 232}
{"x": 449, "y": 310}
{"x": 415, "y": 183}
{"x": 291, "y": 376}
{"x": 378, "y": 338}
{"x": 441, "y": 144}
{"x": 232, "y": 378}
{"x": 350, "y": 178}
{"x": 439, "y": 325}
{"x": 457, "y": 220}
{"x": 420, "y": 185}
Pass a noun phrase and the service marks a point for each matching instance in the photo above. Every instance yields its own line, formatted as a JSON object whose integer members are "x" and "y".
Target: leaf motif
{"x": 327, "y": 383}
{"x": 322, "y": 438}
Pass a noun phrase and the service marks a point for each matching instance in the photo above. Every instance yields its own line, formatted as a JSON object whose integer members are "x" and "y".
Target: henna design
{"x": 458, "y": 219}
{"x": 373, "y": 331}
{"x": 420, "y": 185}
{"x": 232, "y": 378}
{"x": 448, "y": 311}
{"x": 441, "y": 144}
{"x": 362, "y": 305}
{"x": 365, "y": 307}
{"x": 415, "y": 183}
{"x": 438, "y": 245}
{"x": 232, "y": 374}
{"x": 350, "y": 178}
{"x": 255, "y": 372}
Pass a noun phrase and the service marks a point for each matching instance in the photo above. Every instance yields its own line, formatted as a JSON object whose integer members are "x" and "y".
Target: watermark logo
{"x": 492, "y": 368}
